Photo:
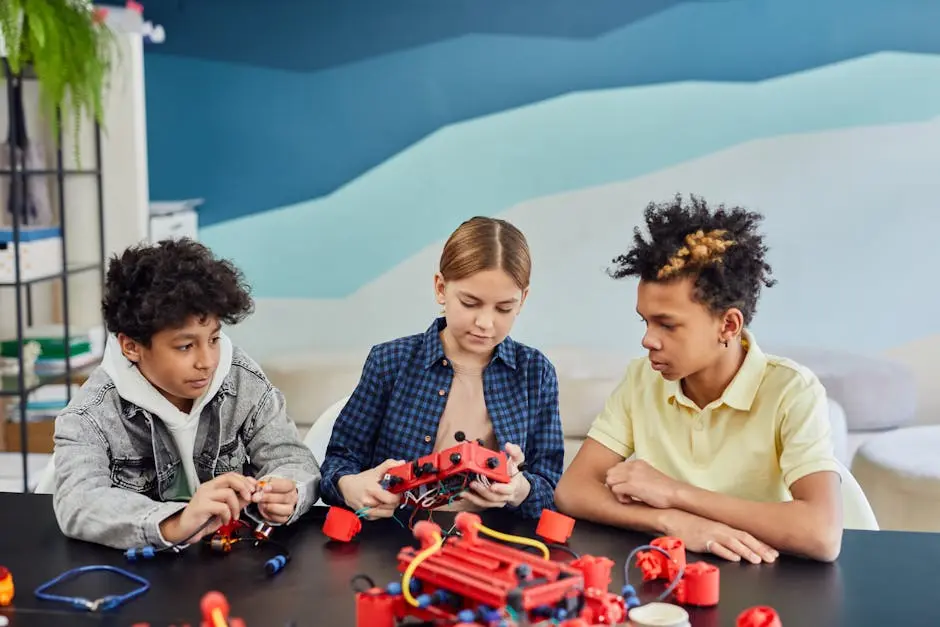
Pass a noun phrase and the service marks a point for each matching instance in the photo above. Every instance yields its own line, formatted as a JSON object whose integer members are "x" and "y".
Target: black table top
{"x": 881, "y": 578}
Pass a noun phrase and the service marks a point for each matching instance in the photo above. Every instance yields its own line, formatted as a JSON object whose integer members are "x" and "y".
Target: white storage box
{"x": 40, "y": 253}
{"x": 174, "y": 226}
{"x": 174, "y": 219}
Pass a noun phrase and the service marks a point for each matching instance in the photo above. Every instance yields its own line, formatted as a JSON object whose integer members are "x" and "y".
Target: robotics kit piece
{"x": 433, "y": 480}
{"x": 467, "y": 579}
{"x": 429, "y": 482}
{"x": 699, "y": 583}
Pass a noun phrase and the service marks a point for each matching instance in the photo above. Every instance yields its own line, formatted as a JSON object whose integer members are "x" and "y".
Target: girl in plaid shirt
{"x": 462, "y": 377}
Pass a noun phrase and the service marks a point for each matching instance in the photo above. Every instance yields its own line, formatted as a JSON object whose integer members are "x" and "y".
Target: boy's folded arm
{"x": 86, "y": 505}
{"x": 276, "y": 450}
{"x": 581, "y": 493}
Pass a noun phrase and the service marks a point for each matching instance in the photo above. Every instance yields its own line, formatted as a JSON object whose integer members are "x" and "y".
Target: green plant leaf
{"x": 71, "y": 53}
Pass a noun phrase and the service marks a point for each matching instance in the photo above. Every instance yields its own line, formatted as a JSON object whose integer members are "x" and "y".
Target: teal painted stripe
{"x": 329, "y": 247}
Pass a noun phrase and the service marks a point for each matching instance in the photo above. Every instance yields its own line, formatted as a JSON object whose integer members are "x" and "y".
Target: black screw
{"x": 460, "y": 436}
{"x": 455, "y": 458}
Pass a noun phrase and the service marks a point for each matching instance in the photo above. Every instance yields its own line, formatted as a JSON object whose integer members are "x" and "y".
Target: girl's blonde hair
{"x": 483, "y": 243}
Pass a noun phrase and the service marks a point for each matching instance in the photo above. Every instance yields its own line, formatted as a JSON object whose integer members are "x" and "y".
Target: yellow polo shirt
{"x": 769, "y": 428}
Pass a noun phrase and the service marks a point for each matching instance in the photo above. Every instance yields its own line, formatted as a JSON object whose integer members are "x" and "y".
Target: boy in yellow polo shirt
{"x": 708, "y": 438}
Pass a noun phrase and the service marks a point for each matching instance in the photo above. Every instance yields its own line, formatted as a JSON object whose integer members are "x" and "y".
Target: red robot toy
{"x": 466, "y": 579}
{"x": 434, "y": 480}
{"x": 429, "y": 482}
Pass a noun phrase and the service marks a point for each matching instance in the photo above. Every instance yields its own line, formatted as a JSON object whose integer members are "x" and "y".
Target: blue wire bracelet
{"x": 104, "y": 603}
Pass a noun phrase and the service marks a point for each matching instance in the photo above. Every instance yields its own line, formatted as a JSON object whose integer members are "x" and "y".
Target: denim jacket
{"x": 116, "y": 465}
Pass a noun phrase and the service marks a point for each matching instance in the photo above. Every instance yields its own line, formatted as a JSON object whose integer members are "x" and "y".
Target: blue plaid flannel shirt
{"x": 395, "y": 409}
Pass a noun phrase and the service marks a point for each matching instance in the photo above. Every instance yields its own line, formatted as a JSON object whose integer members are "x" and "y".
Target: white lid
{"x": 659, "y": 615}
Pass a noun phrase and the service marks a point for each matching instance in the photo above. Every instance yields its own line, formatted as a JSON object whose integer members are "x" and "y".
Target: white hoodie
{"x": 134, "y": 387}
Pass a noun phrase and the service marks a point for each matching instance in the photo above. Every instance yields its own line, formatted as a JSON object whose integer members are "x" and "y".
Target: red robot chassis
{"x": 467, "y": 579}
{"x": 433, "y": 480}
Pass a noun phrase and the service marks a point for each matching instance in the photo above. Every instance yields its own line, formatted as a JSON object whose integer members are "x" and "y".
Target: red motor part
{"x": 760, "y": 616}
{"x": 596, "y": 571}
{"x": 654, "y": 565}
{"x": 341, "y": 524}
{"x": 554, "y": 527}
{"x": 699, "y": 585}
{"x": 375, "y": 608}
{"x": 602, "y": 608}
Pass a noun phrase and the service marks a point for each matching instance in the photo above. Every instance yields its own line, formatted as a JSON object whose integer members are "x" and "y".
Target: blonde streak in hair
{"x": 701, "y": 249}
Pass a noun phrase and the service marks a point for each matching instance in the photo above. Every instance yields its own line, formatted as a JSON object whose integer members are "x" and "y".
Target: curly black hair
{"x": 152, "y": 288}
{"x": 732, "y": 278}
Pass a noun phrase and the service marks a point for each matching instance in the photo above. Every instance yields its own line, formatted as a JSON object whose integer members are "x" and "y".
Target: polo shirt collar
{"x": 743, "y": 388}
{"x": 434, "y": 348}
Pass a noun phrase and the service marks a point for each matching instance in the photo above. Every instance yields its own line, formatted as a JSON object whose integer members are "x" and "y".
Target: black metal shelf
{"x": 72, "y": 269}
{"x": 21, "y": 384}
{"x": 10, "y": 386}
{"x": 49, "y": 172}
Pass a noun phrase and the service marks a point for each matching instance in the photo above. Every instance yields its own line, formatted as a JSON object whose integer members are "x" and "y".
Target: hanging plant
{"x": 70, "y": 50}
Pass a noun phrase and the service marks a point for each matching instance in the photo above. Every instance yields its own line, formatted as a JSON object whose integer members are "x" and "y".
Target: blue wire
{"x": 104, "y": 603}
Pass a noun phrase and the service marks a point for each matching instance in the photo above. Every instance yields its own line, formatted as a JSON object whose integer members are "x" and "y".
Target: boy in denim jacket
{"x": 174, "y": 426}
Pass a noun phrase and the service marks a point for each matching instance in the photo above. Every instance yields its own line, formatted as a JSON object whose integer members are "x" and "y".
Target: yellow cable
{"x": 217, "y": 619}
{"x": 516, "y": 539}
{"x": 410, "y": 571}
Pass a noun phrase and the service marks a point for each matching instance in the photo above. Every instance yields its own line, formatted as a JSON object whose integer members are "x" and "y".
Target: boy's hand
{"x": 276, "y": 499}
{"x": 636, "y": 480}
{"x": 364, "y": 490}
{"x": 223, "y": 497}
{"x": 499, "y": 494}
{"x": 707, "y": 536}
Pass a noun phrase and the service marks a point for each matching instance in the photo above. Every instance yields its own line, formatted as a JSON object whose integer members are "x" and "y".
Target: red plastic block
{"x": 699, "y": 585}
{"x": 375, "y": 608}
{"x": 555, "y": 527}
{"x": 341, "y": 524}
{"x": 596, "y": 571}
{"x": 760, "y": 616}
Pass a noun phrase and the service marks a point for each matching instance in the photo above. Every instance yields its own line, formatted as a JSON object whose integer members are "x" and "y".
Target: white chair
{"x": 46, "y": 482}
{"x": 318, "y": 437}
{"x": 856, "y": 510}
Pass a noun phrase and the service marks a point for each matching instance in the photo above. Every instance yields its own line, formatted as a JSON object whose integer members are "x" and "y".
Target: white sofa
{"x": 312, "y": 382}
{"x": 870, "y": 401}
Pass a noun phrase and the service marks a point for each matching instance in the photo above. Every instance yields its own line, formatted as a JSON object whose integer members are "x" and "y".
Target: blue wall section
{"x": 337, "y": 244}
{"x": 290, "y": 101}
